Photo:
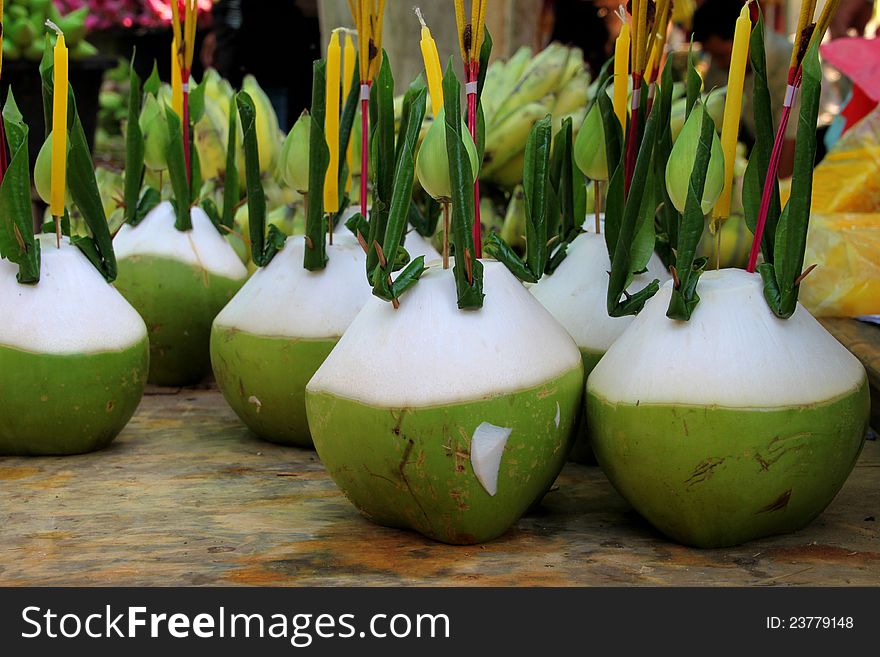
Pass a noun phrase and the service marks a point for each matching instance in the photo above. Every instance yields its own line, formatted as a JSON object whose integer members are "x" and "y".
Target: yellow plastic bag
{"x": 846, "y": 248}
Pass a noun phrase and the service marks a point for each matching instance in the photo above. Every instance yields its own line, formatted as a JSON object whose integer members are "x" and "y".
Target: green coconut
{"x": 178, "y": 281}
{"x": 576, "y": 296}
{"x": 73, "y": 357}
{"x": 449, "y": 422}
{"x": 271, "y": 338}
{"x": 731, "y": 426}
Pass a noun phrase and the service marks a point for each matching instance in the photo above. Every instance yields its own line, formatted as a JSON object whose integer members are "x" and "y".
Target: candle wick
{"x": 621, "y": 14}
{"x": 54, "y": 27}
{"x": 419, "y": 14}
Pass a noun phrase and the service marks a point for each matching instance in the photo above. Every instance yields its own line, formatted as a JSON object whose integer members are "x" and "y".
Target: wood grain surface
{"x": 185, "y": 496}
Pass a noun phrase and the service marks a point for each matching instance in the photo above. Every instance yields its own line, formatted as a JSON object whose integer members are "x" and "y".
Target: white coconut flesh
{"x": 202, "y": 247}
{"x": 487, "y": 448}
{"x": 72, "y": 310}
{"x": 733, "y": 353}
{"x": 284, "y": 299}
{"x": 576, "y": 293}
{"x": 415, "y": 244}
{"x": 428, "y": 353}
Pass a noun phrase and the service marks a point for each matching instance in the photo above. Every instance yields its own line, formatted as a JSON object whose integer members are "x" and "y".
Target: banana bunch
{"x": 24, "y": 29}
{"x": 212, "y": 130}
{"x": 519, "y": 92}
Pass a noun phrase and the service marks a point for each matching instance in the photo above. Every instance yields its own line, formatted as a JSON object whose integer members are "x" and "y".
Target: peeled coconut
{"x": 575, "y": 294}
{"x": 731, "y": 426}
{"x": 448, "y": 422}
{"x": 178, "y": 281}
{"x": 271, "y": 338}
{"x": 73, "y": 356}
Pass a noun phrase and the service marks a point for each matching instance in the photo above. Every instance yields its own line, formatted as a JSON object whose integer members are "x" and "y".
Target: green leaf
{"x": 256, "y": 198}
{"x": 501, "y": 251}
{"x": 468, "y": 283}
{"x": 401, "y": 197}
{"x": 537, "y": 190}
{"x": 84, "y": 192}
{"x": 17, "y": 242}
{"x": 134, "y": 149}
{"x": 196, "y": 102}
{"x": 667, "y": 219}
{"x": 424, "y": 216}
{"x": 154, "y": 82}
{"x": 759, "y": 160}
{"x": 177, "y": 171}
{"x": 231, "y": 191}
{"x": 485, "y": 55}
{"x": 408, "y": 277}
{"x": 684, "y": 296}
{"x": 628, "y": 252}
{"x": 791, "y": 232}
{"x": 195, "y": 169}
{"x": 358, "y": 224}
{"x": 213, "y": 213}
{"x": 416, "y": 86}
{"x": 315, "y": 258}
{"x": 150, "y": 198}
{"x": 615, "y": 199}
{"x": 383, "y": 159}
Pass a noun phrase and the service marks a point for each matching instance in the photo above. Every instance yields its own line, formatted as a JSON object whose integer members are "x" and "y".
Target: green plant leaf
{"x": 383, "y": 160}
{"x": 196, "y": 101}
{"x": 667, "y": 219}
{"x": 537, "y": 190}
{"x": 759, "y": 160}
{"x": 627, "y": 250}
{"x": 791, "y": 231}
{"x": 256, "y": 198}
{"x": 154, "y": 82}
{"x": 231, "y": 191}
{"x": 181, "y": 197}
{"x": 408, "y": 277}
{"x": 615, "y": 198}
{"x": 401, "y": 199}
{"x": 684, "y": 295}
{"x": 134, "y": 149}
{"x": 501, "y": 251}
{"x": 485, "y": 55}
{"x": 468, "y": 270}
{"x": 424, "y": 215}
{"x": 17, "y": 242}
{"x": 315, "y": 257}
{"x": 85, "y": 195}
{"x": 150, "y": 198}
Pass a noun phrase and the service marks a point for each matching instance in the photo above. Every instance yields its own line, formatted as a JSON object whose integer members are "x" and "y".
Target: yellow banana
{"x": 540, "y": 77}
{"x": 508, "y": 137}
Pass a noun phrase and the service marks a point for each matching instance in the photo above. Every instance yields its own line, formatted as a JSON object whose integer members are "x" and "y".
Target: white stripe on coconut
{"x": 283, "y": 299}
{"x": 576, "y": 292}
{"x": 72, "y": 310}
{"x": 203, "y": 246}
{"x": 734, "y": 353}
{"x": 487, "y": 447}
{"x": 430, "y": 353}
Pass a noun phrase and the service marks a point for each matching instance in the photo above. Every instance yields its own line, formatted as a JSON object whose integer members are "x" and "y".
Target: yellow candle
{"x": 348, "y": 57}
{"x": 733, "y": 107}
{"x": 176, "y": 80}
{"x": 432, "y": 66}
{"x": 59, "y": 129}
{"x": 621, "y": 74}
{"x": 331, "y": 124}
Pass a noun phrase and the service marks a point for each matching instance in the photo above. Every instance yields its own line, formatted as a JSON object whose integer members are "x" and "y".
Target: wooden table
{"x": 186, "y": 496}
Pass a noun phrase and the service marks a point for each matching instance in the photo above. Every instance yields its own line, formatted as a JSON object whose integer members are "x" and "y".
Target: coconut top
{"x": 576, "y": 292}
{"x": 286, "y": 300}
{"x": 72, "y": 309}
{"x": 734, "y": 352}
{"x": 430, "y": 353}
{"x": 201, "y": 247}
